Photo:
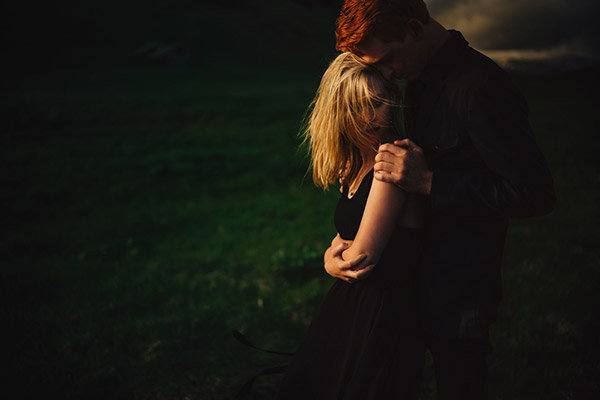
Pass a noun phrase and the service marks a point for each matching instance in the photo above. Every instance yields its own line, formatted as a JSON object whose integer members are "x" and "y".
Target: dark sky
{"x": 503, "y": 29}
{"x": 537, "y": 26}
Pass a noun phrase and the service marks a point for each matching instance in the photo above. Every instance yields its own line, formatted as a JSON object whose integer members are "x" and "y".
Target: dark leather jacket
{"x": 472, "y": 123}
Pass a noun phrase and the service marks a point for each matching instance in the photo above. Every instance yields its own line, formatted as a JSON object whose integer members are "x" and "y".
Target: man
{"x": 470, "y": 150}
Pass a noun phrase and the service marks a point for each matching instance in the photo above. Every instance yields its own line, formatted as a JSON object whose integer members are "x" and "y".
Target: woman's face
{"x": 383, "y": 112}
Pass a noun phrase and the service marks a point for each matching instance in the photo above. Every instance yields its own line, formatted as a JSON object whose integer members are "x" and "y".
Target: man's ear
{"x": 414, "y": 27}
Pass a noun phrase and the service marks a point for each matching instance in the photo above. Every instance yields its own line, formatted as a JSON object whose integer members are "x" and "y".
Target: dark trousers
{"x": 460, "y": 366}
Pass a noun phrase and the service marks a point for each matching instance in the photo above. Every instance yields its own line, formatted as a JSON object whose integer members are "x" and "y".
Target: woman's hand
{"x": 337, "y": 240}
{"x": 337, "y": 267}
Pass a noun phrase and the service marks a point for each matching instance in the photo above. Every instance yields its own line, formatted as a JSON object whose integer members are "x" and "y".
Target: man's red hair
{"x": 360, "y": 18}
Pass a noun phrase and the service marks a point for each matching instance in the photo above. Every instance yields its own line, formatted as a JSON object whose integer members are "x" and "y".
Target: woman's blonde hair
{"x": 340, "y": 123}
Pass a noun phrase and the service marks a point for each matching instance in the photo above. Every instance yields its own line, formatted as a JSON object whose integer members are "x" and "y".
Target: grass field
{"x": 148, "y": 212}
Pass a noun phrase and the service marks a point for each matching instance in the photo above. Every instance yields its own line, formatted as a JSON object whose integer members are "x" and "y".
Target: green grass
{"x": 145, "y": 222}
{"x": 148, "y": 212}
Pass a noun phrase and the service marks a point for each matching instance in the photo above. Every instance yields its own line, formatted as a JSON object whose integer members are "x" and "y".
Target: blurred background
{"x": 154, "y": 198}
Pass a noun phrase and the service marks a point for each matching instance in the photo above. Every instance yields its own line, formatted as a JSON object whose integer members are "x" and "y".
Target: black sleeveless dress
{"x": 365, "y": 341}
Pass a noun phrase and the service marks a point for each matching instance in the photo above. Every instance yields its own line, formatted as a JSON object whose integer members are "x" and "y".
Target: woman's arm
{"x": 342, "y": 269}
{"x": 379, "y": 218}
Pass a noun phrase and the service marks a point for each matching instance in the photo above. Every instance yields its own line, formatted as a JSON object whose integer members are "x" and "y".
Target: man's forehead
{"x": 371, "y": 49}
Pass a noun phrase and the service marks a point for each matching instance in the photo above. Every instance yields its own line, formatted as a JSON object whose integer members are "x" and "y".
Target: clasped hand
{"x": 403, "y": 164}
{"x": 346, "y": 270}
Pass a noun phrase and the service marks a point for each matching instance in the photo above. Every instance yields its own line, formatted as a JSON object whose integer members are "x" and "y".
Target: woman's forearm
{"x": 379, "y": 218}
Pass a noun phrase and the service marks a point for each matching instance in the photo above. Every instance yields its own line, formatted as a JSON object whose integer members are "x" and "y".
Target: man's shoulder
{"x": 476, "y": 71}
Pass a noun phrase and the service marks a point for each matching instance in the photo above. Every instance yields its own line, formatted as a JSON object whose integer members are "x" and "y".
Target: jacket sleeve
{"x": 514, "y": 180}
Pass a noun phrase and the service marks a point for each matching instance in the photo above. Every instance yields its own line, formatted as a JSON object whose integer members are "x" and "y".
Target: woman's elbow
{"x": 369, "y": 256}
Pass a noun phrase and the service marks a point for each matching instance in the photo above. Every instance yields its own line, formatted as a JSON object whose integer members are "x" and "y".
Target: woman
{"x": 364, "y": 342}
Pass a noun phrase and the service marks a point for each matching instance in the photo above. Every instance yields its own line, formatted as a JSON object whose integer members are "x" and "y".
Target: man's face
{"x": 399, "y": 59}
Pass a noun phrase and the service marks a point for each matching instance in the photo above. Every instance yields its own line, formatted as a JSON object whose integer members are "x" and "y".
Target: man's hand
{"x": 404, "y": 165}
{"x": 344, "y": 270}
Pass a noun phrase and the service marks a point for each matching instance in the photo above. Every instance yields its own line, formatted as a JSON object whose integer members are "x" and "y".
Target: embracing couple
{"x": 422, "y": 216}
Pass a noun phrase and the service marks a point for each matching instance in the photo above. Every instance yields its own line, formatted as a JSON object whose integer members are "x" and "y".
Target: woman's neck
{"x": 368, "y": 161}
